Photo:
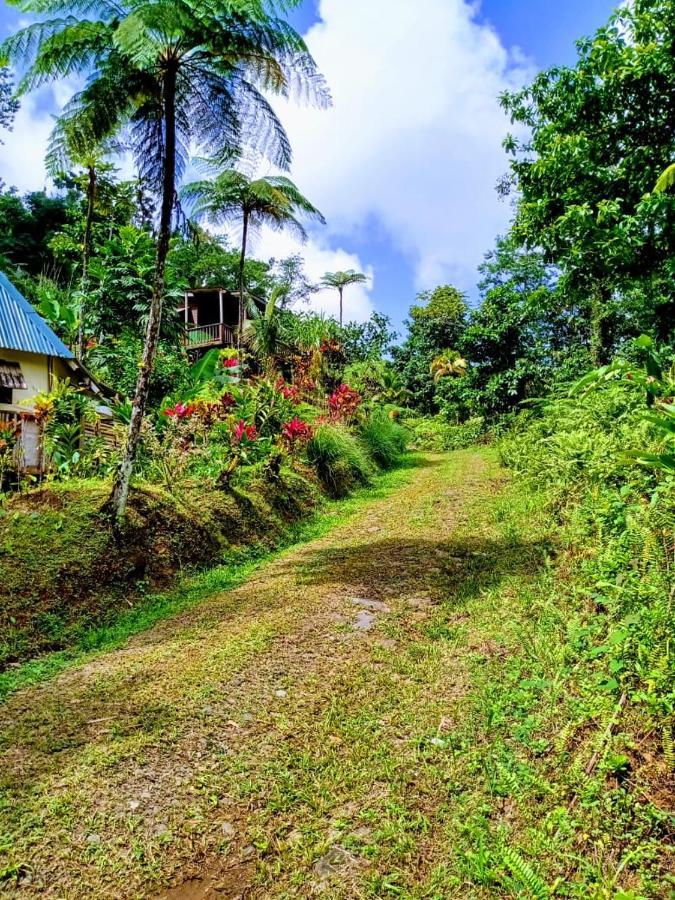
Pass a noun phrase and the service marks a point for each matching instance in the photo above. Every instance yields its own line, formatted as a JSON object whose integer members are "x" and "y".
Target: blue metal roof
{"x": 21, "y": 328}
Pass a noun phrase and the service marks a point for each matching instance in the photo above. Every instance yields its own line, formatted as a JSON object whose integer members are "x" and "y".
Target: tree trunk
{"x": 242, "y": 263}
{"x": 340, "y": 292}
{"x": 86, "y": 256}
{"x": 123, "y": 479}
{"x": 600, "y": 325}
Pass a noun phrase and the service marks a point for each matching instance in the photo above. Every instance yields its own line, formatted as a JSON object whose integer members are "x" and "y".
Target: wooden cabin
{"x": 31, "y": 357}
{"x": 211, "y": 317}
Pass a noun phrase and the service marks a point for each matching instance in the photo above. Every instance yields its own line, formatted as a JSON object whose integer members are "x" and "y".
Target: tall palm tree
{"x": 230, "y": 196}
{"x": 174, "y": 74}
{"x": 69, "y": 148}
{"x": 341, "y": 280}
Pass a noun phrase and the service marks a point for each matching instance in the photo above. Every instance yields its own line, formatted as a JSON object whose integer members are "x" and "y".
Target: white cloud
{"x": 414, "y": 136}
{"x": 23, "y": 152}
{"x": 319, "y": 259}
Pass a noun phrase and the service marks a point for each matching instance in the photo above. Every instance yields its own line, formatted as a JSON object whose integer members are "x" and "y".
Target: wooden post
{"x": 222, "y": 317}
{"x": 187, "y": 307}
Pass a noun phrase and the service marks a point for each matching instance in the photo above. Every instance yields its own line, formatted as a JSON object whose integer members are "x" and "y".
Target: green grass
{"x": 192, "y": 589}
{"x": 384, "y": 439}
{"x": 340, "y": 461}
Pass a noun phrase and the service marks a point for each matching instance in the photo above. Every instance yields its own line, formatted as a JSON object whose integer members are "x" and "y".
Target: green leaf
{"x": 205, "y": 368}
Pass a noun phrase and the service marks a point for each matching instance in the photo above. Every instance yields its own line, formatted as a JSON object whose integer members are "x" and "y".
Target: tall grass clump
{"x": 340, "y": 461}
{"x": 384, "y": 439}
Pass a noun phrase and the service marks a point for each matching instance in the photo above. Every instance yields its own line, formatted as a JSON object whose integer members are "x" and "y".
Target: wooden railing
{"x": 9, "y": 418}
{"x": 218, "y": 335}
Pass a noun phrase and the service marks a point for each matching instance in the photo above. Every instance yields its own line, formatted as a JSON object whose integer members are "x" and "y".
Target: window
{"x": 5, "y": 394}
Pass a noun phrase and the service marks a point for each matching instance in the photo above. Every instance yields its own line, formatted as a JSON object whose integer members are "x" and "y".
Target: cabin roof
{"x": 22, "y": 328}
{"x": 190, "y": 292}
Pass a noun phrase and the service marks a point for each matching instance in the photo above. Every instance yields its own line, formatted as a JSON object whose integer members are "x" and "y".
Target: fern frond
{"x": 525, "y": 874}
{"x": 666, "y": 180}
{"x": 669, "y": 747}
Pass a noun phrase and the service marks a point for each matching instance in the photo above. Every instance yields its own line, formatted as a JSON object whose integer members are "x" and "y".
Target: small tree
{"x": 448, "y": 364}
{"x": 340, "y": 280}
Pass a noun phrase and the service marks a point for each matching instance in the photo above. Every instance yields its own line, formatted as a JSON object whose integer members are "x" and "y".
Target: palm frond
{"x": 666, "y": 180}
{"x": 342, "y": 279}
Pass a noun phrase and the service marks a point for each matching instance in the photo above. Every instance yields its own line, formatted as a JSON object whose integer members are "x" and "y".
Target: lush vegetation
{"x": 566, "y": 364}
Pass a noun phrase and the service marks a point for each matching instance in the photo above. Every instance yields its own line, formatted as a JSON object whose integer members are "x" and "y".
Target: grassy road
{"x": 372, "y": 714}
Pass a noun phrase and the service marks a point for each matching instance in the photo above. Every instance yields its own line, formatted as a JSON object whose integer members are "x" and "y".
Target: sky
{"x": 404, "y": 164}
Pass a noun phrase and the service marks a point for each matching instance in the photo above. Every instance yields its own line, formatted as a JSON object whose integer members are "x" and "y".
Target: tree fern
{"x": 341, "y": 280}
{"x": 232, "y": 196}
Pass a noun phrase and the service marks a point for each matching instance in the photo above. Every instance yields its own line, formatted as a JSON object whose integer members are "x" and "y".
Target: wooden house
{"x": 31, "y": 357}
{"x": 211, "y": 318}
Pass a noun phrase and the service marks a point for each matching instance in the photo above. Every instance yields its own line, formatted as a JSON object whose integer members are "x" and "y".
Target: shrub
{"x": 384, "y": 439}
{"x": 436, "y": 435}
{"x": 343, "y": 403}
{"x": 340, "y": 460}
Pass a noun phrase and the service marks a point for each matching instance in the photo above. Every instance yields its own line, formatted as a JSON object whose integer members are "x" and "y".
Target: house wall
{"x": 36, "y": 369}
{"x": 36, "y": 375}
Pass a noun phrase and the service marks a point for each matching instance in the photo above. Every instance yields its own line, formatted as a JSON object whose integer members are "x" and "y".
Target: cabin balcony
{"x": 199, "y": 337}
{"x": 210, "y": 318}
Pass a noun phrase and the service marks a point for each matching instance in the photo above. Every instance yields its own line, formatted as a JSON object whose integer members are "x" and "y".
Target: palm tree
{"x": 69, "y": 147}
{"x": 340, "y": 280}
{"x": 176, "y": 74}
{"x": 449, "y": 364}
{"x": 231, "y": 196}
{"x": 268, "y": 336}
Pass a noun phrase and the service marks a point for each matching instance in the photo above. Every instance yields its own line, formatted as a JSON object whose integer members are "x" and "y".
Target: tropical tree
{"x": 437, "y": 322}
{"x": 340, "y": 280}
{"x": 73, "y": 147}
{"x": 28, "y": 226}
{"x": 174, "y": 75}
{"x": 593, "y": 138}
{"x": 231, "y": 196}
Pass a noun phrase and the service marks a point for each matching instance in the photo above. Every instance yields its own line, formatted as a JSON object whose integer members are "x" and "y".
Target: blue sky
{"x": 545, "y": 33}
{"x": 404, "y": 165}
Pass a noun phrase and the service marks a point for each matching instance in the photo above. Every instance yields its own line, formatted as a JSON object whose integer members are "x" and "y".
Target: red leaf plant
{"x": 344, "y": 402}
{"x": 244, "y": 432}
{"x": 180, "y": 411}
{"x": 289, "y": 391}
{"x": 210, "y": 413}
{"x": 296, "y": 430}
